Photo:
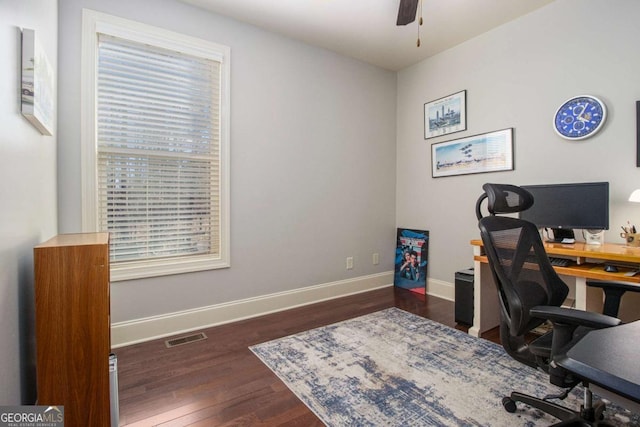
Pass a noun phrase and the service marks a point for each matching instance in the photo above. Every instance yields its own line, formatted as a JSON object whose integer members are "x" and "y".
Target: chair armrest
{"x": 613, "y": 292}
{"x": 574, "y": 317}
{"x": 607, "y": 284}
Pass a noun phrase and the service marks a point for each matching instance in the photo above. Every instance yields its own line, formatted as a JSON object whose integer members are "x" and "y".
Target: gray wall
{"x": 28, "y": 207}
{"x": 319, "y": 171}
{"x": 312, "y": 162}
{"x": 516, "y": 76}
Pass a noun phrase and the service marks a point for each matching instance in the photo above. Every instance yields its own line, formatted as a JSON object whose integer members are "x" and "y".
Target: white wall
{"x": 312, "y": 162}
{"x": 28, "y": 209}
{"x": 516, "y": 76}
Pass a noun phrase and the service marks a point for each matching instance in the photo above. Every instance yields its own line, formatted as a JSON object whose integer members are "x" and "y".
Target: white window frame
{"x": 94, "y": 23}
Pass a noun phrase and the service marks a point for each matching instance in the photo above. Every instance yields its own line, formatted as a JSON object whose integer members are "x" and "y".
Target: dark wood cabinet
{"x": 73, "y": 326}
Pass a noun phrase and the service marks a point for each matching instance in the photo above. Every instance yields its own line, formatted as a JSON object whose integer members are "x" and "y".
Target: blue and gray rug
{"x": 392, "y": 368}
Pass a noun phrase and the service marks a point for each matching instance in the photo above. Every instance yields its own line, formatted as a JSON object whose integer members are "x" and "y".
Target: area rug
{"x": 392, "y": 368}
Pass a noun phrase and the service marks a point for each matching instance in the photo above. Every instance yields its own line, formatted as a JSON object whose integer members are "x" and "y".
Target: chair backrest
{"x": 504, "y": 199}
{"x": 519, "y": 264}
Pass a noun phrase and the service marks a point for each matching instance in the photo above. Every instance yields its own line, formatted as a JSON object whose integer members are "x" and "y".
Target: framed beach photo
{"x": 488, "y": 152}
{"x": 36, "y": 85}
{"x": 445, "y": 115}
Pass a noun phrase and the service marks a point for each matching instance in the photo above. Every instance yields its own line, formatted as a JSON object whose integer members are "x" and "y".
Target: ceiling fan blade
{"x": 407, "y": 12}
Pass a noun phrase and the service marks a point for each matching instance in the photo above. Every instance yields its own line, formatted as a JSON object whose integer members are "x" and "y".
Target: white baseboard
{"x": 149, "y": 328}
{"x": 441, "y": 289}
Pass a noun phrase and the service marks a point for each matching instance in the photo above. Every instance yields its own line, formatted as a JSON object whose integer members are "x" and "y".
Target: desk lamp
{"x": 635, "y": 196}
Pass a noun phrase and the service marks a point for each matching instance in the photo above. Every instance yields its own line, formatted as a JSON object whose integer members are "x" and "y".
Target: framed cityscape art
{"x": 445, "y": 115}
{"x": 412, "y": 258}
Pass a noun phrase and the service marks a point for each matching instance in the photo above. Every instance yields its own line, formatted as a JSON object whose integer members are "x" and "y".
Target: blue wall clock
{"x": 580, "y": 117}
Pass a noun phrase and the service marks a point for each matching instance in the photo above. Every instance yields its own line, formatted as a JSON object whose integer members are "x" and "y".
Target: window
{"x": 155, "y": 147}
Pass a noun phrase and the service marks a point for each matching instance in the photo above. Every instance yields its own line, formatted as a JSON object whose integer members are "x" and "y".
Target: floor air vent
{"x": 185, "y": 340}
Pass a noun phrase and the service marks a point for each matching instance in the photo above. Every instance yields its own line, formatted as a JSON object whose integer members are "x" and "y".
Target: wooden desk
{"x": 587, "y": 263}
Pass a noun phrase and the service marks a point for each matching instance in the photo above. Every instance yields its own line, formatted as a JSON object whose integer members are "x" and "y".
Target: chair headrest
{"x": 504, "y": 198}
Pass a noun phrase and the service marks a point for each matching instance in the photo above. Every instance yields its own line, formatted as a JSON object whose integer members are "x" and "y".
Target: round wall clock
{"x": 580, "y": 117}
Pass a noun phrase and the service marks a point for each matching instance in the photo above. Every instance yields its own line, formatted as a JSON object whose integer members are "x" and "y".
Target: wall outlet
{"x": 376, "y": 258}
{"x": 349, "y": 263}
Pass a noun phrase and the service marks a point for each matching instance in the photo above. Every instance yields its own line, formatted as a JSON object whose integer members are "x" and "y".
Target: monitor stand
{"x": 593, "y": 237}
{"x": 559, "y": 234}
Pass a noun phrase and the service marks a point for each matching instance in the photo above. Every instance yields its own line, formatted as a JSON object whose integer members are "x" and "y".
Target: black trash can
{"x": 464, "y": 297}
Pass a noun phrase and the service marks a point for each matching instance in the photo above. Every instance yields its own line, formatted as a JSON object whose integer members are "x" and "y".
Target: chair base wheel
{"x": 509, "y": 404}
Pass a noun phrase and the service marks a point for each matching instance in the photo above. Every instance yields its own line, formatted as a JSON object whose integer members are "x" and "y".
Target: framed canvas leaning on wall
{"x": 412, "y": 258}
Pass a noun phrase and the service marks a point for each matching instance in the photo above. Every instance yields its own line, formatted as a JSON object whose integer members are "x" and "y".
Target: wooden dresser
{"x": 73, "y": 326}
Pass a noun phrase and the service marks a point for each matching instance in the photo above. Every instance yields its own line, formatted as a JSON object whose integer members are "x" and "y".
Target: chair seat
{"x": 541, "y": 346}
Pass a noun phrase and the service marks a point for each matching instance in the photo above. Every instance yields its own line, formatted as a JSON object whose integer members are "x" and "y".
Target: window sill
{"x": 165, "y": 267}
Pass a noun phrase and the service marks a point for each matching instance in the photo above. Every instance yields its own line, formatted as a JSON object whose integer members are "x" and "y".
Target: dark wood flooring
{"x": 219, "y": 382}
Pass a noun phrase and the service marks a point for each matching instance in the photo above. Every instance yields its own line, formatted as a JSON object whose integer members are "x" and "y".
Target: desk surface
{"x": 608, "y": 358}
{"x": 584, "y": 254}
{"x": 587, "y": 262}
{"x": 607, "y": 251}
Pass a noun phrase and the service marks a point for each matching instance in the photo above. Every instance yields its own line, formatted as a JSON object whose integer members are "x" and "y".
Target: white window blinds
{"x": 158, "y": 151}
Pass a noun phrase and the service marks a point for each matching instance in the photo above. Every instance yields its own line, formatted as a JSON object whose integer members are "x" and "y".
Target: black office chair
{"x": 530, "y": 292}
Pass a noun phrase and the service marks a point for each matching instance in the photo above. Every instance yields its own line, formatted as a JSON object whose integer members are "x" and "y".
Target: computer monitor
{"x": 564, "y": 207}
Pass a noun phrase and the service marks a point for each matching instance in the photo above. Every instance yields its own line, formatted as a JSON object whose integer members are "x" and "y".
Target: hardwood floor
{"x": 219, "y": 382}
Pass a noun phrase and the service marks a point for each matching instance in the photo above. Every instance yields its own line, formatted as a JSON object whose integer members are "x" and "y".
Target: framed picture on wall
{"x": 36, "y": 84}
{"x": 412, "y": 258}
{"x": 488, "y": 152}
{"x": 638, "y": 134}
{"x": 445, "y": 115}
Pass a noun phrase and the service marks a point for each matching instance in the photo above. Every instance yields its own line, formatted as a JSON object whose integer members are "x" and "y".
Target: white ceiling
{"x": 366, "y": 29}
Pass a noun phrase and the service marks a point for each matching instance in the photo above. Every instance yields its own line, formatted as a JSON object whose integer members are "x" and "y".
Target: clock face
{"x": 580, "y": 117}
